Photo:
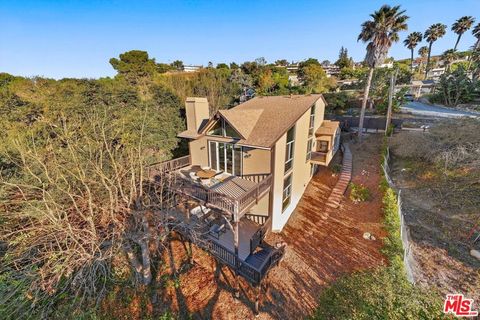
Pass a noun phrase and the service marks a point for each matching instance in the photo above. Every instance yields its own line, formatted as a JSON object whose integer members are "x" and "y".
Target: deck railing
{"x": 226, "y": 256}
{"x": 255, "y": 177}
{"x": 223, "y": 254}
{"x": 234, "y": 206}
{"x": 170, "y": 165}
{"x": 258, "y": 219}
{"x": 252, "y": 273}
{"x": 272, "y": 260}
{"x": 259, "y": 235}
{"x": 253, "y": 195}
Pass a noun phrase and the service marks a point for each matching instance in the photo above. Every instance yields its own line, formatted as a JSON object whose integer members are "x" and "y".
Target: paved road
{"x": 419, "y": 108}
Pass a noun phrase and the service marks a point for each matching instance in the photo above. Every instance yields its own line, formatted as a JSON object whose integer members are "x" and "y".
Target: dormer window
{"x": 217, "y": 129}
{"x": 221, "y": 128}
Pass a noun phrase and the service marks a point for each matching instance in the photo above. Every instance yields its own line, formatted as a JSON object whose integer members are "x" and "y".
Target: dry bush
{"x": 451, "y": 144}
{"x": 451, "y": 151}
{"x": 74, "y": 201}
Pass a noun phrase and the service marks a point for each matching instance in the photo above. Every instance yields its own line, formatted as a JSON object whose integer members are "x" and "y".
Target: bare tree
{"x": 78, "y": 198}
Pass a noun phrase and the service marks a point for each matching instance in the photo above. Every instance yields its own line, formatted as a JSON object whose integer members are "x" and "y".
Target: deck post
{"x": 187, "y": 212}
{"x": 235, "y": 237}
{"x": 235, "y": 243}
{"x": 236, "y": 285}
{"x": 257, "y": 300}
{"x": 190, "y": 252}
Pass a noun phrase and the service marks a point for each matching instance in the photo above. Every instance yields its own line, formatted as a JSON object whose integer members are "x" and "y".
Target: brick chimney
{"x": 197, "y": 111}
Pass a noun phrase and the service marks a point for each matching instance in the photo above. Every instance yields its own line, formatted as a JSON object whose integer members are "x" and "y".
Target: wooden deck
{"x": 252, "y": 265}
{"x": 247, "y": 229}
{"x": 231, "y": 194}
{"x": 229, "y": 198}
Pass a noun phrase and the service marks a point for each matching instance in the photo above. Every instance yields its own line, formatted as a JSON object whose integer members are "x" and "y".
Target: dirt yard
{"x": 318, "y": 252}
{"x": 438, "y": 227}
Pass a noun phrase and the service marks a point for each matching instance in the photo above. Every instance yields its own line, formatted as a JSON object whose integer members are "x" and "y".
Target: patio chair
{"x": 200, "y": 212}
{"x": 216, "y": 230}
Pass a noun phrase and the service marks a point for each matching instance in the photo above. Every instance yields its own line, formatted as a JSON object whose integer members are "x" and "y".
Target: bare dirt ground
{"x": 440, "y": 251}
{"x": 318, "y": 252}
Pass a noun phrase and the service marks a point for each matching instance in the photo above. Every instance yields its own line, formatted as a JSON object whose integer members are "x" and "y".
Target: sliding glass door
{"x": 225, "y": 157}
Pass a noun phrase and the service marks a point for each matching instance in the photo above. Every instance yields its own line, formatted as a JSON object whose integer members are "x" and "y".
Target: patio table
{"x": 206, "y": 173}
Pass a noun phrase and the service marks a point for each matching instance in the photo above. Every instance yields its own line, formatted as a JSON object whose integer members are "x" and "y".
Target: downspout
{"x": 272, "y": 187}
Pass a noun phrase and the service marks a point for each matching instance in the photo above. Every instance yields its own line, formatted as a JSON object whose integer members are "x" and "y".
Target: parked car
{"x": 408, "y": 97}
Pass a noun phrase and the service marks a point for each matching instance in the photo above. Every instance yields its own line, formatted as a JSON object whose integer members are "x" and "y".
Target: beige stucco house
{"x": 246, "y": 171}
{"x": 285, "y": 136}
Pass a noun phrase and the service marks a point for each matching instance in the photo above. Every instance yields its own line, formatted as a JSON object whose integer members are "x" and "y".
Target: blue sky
{"x": 77, "y": 38}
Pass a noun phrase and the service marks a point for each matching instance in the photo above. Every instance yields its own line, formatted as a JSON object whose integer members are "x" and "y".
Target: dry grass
{"x": 439, "y": 174}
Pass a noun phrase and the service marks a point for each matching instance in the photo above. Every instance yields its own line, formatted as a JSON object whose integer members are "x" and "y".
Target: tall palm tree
{"x": 476, "y": 34}
{"x": 380, "y": 33}
{"x": 411, "y": 42}
{"x": 435, "y": 32}
{"x": 461, "y": 26}
{"x": 448, "y": 57}
{"x": 423, "y": 53}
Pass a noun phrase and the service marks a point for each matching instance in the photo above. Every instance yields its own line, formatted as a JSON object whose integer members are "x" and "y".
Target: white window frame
{"x": 223, "y": 166}
{"x": 336, "y": 141}
{"x": 312, "y": 121}
{"x": 309, "y": 148}
{"x": 287, "y": 192}
{"x": 289, "y": 151}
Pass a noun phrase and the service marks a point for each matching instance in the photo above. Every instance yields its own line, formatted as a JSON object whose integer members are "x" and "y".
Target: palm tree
{"x": 461, "y": 26}
{"x": 423, "y": 53}
{"x": 411, "y": 42}
{"x": 448, "y": 57}
{"x": 380, "y": 33}
{"x": 476, "y": 34}
{"x": 435, "y": 32}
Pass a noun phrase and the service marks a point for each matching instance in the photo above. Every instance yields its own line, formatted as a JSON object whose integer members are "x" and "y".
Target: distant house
{"x": 293, "y": 68}
{"x": 421, "y": 87}
{"x": 191, "y": 68}
{"x": 388, "y": 65}
{"x": 435, "y": 73}
{"x": 247, "y": 169}
{"x": 331, "y": 70}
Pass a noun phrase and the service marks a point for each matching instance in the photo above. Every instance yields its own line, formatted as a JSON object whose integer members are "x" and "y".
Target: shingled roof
{"x": 263, "y": 120}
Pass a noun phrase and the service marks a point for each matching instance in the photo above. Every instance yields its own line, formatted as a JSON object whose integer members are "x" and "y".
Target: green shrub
{"x": 336, "y": 168}
{"x": 359, "y": 193}
{"x": 392, "y": 243}
{"x": 384, "y": 292}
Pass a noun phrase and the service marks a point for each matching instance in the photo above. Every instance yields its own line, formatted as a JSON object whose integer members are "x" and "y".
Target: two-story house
{"x": 246, "y": 171}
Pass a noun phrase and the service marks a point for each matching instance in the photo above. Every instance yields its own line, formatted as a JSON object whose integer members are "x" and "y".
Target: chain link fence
{"x": 404, "y": 232}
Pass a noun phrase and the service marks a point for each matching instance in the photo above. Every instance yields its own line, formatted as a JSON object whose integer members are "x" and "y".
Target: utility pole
{"x": 391, "y": 93}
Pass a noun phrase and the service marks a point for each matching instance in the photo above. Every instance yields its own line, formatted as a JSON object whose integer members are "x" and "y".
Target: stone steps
{"x": 338, "y": 191}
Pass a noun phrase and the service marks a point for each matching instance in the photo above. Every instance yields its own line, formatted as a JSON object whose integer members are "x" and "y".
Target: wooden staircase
{"x": 256, "y": 259}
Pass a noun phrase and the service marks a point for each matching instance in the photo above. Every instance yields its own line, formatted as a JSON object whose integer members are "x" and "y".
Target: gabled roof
{"x": 242, "y": 120}
{"x": 263, "y": 120}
